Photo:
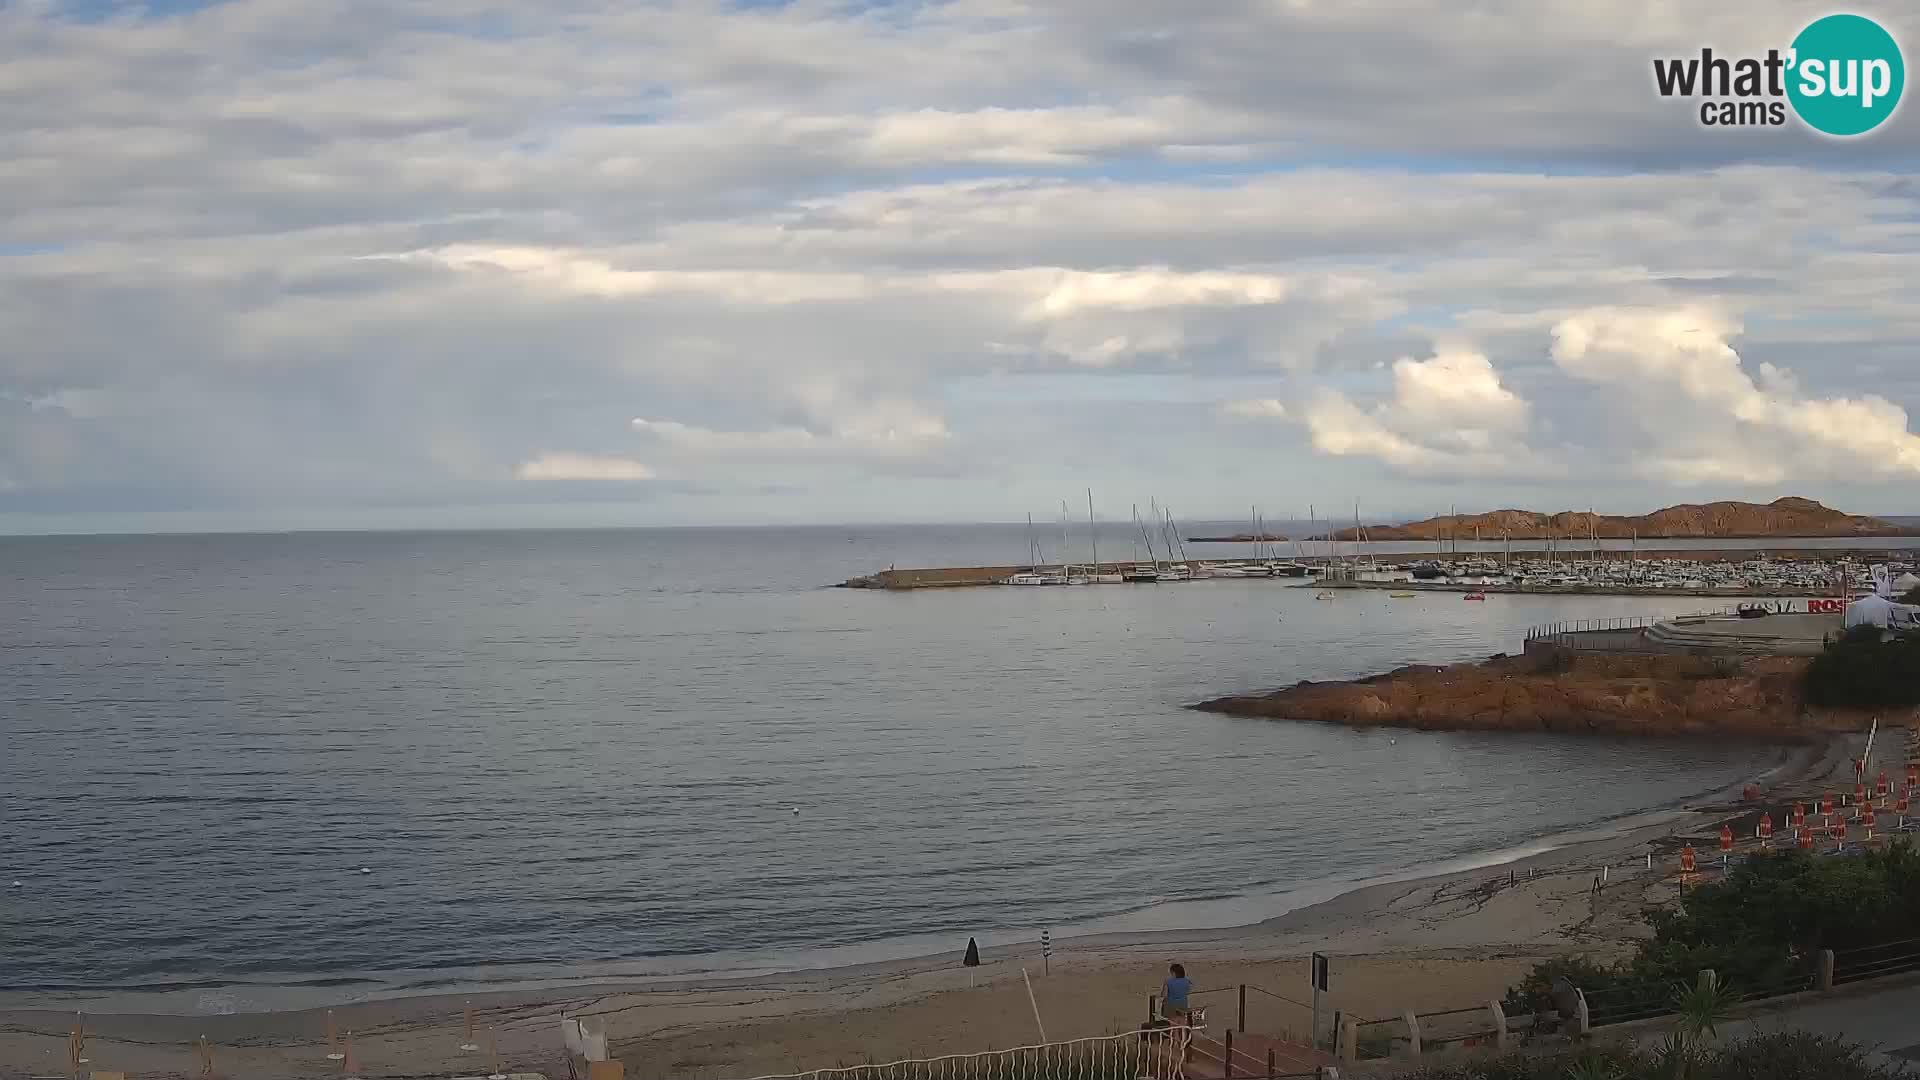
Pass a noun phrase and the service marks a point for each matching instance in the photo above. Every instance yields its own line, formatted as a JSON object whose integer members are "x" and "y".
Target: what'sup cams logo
{"x": 1842, "y": 75}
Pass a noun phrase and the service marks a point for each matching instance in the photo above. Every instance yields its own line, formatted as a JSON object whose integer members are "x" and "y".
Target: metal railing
{"x": 1547, "y": 631}
{"x": 1153, "y": 1053}
{"x": 1626, "y": 1004}
{"x": 1873, "y": 961}
{"x": 1286, "y": 1030}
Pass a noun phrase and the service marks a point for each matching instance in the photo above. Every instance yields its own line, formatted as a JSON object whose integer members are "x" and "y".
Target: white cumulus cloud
{"x": 1447, "y": 414}
{"x": 1702, "y": 419}
{"x": 563, "y": 466}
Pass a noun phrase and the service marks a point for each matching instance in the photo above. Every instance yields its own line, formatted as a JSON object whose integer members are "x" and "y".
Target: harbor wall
{"x": 948, "y": 577}
{"x": 1796, "y": 634}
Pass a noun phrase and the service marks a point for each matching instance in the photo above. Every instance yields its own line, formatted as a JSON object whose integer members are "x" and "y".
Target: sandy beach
{"x": 1444, "y": 940}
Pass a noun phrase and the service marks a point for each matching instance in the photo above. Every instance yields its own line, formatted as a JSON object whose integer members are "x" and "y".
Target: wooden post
{"x": 1227, "y": 1068}
{"x": 1241, "y": 1026}
{"x": 1499, "y": 1024}
{"x": 1270, "y": 1071}
{"x": 1824, "y": 980}
{"x": 1152, "y": 1000}
{"x": 1347, "y": 1040}
{"x": 1708, "y": 979}
{"x": 1413, "y": 1034}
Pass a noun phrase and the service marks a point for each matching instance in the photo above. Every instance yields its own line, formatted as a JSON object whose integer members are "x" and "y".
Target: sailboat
{"x": 1033, "y": 575}
{"x": 1174, "y": 571}
{"x": 1100, "y": 576}
{"x": 1148, "y": 572}
{"x": 1262, "y": 564}
{"x": 1070, "y": 575}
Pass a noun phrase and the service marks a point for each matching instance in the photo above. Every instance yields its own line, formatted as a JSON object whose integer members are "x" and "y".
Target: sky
{"x": 274, "y": 264}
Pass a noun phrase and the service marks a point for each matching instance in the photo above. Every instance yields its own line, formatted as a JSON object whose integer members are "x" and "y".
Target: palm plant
{"x": 1594, "y": 1068}
{"x": 1700, "y": 1008}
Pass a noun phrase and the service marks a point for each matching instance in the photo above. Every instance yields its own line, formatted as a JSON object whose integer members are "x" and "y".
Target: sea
{"x": 243, "y": 772}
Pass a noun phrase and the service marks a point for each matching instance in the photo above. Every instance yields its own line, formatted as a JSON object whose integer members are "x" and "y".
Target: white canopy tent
{"x": 1872, "y": 610}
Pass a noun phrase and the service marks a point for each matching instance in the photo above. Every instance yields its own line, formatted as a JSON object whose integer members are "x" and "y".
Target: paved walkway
{"x": 1884, "y": 1017}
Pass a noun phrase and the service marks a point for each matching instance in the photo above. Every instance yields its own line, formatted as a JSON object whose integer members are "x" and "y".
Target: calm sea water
{"x": 571, "y": 753}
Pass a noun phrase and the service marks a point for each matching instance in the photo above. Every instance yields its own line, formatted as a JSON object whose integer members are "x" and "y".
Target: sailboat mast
{"x": 1145, "y": 537}
{"x": 1063, "y": 536}
{"x": 1093, "y": 533}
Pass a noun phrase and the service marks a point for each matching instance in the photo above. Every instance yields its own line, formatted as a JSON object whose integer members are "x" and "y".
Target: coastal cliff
{"x": 1587, "y": 694}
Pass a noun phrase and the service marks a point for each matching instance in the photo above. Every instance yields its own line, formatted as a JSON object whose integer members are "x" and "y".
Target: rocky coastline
{"x": 1598, "y": 694}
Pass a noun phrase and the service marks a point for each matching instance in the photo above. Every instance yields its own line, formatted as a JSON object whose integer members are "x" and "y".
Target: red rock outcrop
{"x": 1597, "y": 694}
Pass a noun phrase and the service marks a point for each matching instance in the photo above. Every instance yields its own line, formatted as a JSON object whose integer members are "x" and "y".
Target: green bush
{"x": 1861, "y": 670}
{"x": 1758, "y": 930}
{"x": 1534, "y": 994}
{"x": 1782, "y": 1056}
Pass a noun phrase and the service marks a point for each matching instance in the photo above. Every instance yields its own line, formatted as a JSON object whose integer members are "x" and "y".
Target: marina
{"x": 1670, "y": 574}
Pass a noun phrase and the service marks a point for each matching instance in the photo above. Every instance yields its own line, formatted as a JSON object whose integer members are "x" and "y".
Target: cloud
{"x": 1255, "y": 409}
{"x": 870, "y": 431}
{"x": 561, "y": 466}
{"x": 255, "y": 255}
{"x": 1447, "y": 414}
{"x": 1705, "y": 420}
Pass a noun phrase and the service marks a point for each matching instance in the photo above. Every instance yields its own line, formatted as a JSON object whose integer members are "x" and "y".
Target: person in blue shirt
{"x": 1177, "y": 989}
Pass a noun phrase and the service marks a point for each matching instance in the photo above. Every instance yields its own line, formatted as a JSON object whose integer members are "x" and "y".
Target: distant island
{"x": 1726, "y": 520}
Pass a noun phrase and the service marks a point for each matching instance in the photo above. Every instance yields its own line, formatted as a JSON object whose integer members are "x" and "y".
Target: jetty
{"x": 952, "y": 577}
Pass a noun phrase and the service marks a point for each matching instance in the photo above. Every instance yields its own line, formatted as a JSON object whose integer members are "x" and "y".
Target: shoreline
{"x": 1454, "y": 919}
{"x": 1122, "y": 927}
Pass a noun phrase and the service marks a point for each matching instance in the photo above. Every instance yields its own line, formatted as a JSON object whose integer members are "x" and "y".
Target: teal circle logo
{"x": 1846, "y": 75}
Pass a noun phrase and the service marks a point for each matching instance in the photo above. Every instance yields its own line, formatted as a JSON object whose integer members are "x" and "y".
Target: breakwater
{"x": 949, "y": 577}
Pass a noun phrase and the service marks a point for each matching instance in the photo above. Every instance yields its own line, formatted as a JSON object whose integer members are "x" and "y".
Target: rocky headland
{"x": 1602, "y": 694}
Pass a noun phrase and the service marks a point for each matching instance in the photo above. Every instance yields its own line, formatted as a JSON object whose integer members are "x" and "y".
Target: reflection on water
{"x": 670, "y": 749}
